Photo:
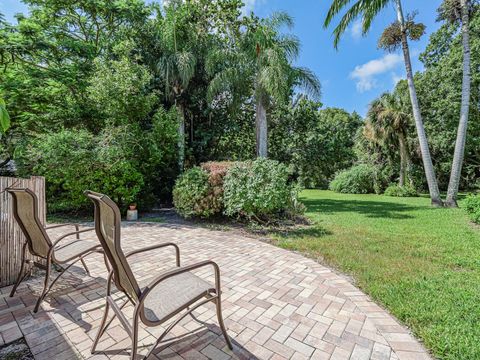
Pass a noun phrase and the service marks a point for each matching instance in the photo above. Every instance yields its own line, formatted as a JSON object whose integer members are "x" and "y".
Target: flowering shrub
{"x": 199, "y": 191}
{"x": 259, "y": 189}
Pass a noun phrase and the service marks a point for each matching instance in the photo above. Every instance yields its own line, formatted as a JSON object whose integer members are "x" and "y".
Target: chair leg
{"x": 85, "y": 266}
{"x": 45, "y": 286}
{"x": 134, "y": 337}
{"x": 218, "y": 302}
{"x": 104, "y": 324}
{"x": 21, "y": 276}
{"x": 102, "y": 327}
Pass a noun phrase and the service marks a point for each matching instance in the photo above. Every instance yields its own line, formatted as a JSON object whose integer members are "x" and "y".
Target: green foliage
{"x": 191, "y": 188}
{"x": 74, "y": 161}
{"x": 365, "y": 10}
{"x": 472, "y": 206}
{"x": 319, "y": 142}
{"x": 440, "y": 111}
{"x": 359, "y": 179}
{"x": 198, "y": 192}
{"x": 119, "y": 91}
{"x": 401, "y": 191}
{"x": 110, "y": 162}
{"x": 259, "y": 189}
{"x": 262, "y": 62}
{"x": 4, "y": 117}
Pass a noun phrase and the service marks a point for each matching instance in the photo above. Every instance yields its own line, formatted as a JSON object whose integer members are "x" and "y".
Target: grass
{"x": 421, "y": 263}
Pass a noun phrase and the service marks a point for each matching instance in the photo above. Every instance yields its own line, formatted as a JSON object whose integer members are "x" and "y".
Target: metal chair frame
{"x": 212, "y": 295}
{"x": 50, "y": 256}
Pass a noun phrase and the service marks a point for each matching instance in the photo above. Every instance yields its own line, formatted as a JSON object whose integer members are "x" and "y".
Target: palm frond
{"x": 185, "y": 62}
{"x": 279, "y": 19}
{"x": 335, "y": 8}
{"x": 290, "y": 44}
{"x": 306, "y": 80}
{"x": 366, "y": 9}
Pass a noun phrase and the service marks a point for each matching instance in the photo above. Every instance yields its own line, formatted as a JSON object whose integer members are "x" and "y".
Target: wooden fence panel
{"x": 11, "y": 236}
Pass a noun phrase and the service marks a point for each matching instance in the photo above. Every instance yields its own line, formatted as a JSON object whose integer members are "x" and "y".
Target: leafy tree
{"x": 120, "y": 92}
{"x": 177, "y": 63}
{"x": 387, "y": 125}
{"x": 50, "y": 55}
{"x": 316, "y": 142}
{"x": 393, "y": 37}
{"x": 262, "y": 61}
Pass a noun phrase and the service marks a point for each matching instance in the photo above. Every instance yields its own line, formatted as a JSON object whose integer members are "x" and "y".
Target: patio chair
{"x": 173, "y": 292}
{"x": 25, "y": 211}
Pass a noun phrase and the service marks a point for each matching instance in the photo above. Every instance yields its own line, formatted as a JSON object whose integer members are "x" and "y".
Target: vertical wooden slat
{"x": 11, "y": 236}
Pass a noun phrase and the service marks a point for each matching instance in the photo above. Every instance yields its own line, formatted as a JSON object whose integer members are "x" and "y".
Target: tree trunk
{"x": 422, "y": 138}
{"x": 181, "y": 136}
{"x": 403, "y": 159}
{"x": 261, "y": 129}
{"x": 458, "y": 155}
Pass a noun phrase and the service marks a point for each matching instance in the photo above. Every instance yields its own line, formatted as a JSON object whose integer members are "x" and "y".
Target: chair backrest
{"x": 25, "y": 211}
{"x": 107, "y": 227}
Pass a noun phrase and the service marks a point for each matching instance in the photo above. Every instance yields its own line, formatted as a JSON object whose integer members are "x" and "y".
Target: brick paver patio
{"x": 277, "y": 305}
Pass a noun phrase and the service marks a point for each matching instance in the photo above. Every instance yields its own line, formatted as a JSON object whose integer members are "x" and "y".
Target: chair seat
{"x": 73, "y": 249}
{"x": 174, "y": 294}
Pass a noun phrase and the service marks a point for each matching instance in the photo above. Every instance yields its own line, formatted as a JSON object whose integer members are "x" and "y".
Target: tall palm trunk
{"x": 181, "y": 135}
{"x": 404, "y": 159}
{"x": 422, "y": 138}
{"x": 462, "y": 126}
{"x": 261, "y": 128}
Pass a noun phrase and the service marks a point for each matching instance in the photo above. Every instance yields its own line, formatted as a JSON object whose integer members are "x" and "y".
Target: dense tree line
{"x": 439, "y": 89}
{"x": 122, "y": 96}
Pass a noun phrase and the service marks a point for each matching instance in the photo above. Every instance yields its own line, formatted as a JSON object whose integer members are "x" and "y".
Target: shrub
{"x": 216, "y": 175}
{"x": 401, "y": 191}
{"x": 359, "y": 179}
{"x": 259, "y": 189}
{"x": 75, "y": 160}
{"x": 199, "y": 191}
{"x": 189, "y": 191}
{"x": 472, "y": 206}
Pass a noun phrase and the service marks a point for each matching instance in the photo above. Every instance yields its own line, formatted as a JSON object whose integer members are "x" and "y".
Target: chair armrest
{"x": 61, "y": 225}
{"x": 179, "y": 271}
{"x": 158, "y": 246}
{"x": 70, "y": 234}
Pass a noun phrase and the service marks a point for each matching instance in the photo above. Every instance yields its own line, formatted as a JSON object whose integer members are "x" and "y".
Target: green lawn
{"x": 421, "y": 263}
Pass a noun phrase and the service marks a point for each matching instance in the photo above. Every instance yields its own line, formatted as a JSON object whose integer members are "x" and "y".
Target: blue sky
{"x": 355, "y": 74}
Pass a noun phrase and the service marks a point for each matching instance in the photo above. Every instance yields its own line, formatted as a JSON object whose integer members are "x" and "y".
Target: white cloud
{"x": 396, "y": 78}
{"x": 356, "y": 30}
{"x": 364, "y": 75}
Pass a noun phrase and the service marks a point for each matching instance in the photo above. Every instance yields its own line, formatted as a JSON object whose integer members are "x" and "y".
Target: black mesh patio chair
{"x": 58, "y": 252}
{"x": 174, "y": 292}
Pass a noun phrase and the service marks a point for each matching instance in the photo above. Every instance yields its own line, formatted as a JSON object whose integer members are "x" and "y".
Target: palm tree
{"x": 455, "y": 11}
{"x": 262, "y": 60}
{"x": 387, "y": 124}
{"x": 395, "y": 36}
{"x": 177, "y": 62}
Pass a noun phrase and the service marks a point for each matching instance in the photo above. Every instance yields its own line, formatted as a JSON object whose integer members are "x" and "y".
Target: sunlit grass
{"x": 422, "y": 263}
